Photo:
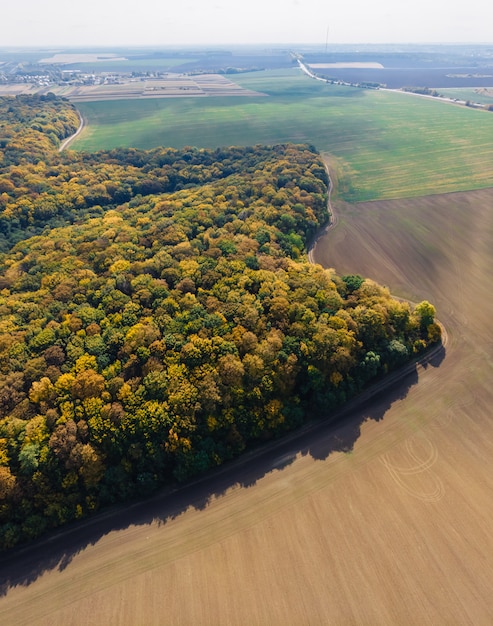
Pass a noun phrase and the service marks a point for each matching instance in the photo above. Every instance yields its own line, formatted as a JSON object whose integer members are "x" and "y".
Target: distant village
{"x": 43, "y": 76}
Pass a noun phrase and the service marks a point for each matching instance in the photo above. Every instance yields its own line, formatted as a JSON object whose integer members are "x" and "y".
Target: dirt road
{"x": 69, "y": 140}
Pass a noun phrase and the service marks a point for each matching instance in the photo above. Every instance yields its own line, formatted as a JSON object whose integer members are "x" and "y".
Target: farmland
{"x": 114, "y": 63}
{"x": 62, "y": 64}
{"x": 395, "y": 78}
{"x": 432, "y": 66}
{"x": 375, "y": 135}
{"x": 170, "y": 86}
{"x": 483, "y": 95}
{"x": 382, "y": 519}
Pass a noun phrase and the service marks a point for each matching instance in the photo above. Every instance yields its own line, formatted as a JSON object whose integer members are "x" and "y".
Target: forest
{"x": 159, "y": 316}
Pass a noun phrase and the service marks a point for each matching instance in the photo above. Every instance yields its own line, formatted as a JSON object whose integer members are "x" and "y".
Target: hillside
{"x": 158, "y": 315}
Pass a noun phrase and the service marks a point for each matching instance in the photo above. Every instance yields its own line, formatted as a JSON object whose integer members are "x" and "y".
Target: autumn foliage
{"x": 158, "y": 315}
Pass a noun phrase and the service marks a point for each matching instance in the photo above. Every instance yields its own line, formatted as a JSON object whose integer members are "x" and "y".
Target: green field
{"x": 386, "y": 144}
{"x": 469, "y": 94}
{"x": 161, "y": 64}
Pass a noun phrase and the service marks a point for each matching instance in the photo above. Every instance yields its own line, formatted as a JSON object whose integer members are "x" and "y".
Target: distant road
{"x": 332, "y": 219}
{"x": 69, "y": 140}
{"x": 474, "y": 105}
{"x": 304, "y": 69}
{"x": 430, "y": 97}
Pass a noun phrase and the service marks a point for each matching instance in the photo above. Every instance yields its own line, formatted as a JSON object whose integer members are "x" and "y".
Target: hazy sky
{"x": 168, "y": 22}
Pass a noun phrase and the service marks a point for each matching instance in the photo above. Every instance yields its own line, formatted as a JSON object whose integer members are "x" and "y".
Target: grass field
{"x": 382, "y": 519}
{"x": 481, "y": 95}
{"x": 388, "y": 144}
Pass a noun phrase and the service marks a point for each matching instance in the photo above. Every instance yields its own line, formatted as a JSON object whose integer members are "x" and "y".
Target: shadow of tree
{"x": 318, "y": 439}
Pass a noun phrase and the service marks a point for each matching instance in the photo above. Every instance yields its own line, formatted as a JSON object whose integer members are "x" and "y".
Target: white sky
{"x": 171, "y": 22}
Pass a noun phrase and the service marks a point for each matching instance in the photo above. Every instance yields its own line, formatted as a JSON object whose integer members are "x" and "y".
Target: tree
{"x": 29, "y": 458}
{"x": 352, "y": 282}
{"x": 425, "y": 313}
{"x": 7, "y": 483}
{"x": 88, "y": 384}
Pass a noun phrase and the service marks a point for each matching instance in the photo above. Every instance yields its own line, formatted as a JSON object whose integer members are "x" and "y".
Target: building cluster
{"x": 52, "y": 76}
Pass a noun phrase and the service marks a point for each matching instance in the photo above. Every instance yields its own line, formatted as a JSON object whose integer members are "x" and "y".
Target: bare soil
{"x": 383, "y": 518}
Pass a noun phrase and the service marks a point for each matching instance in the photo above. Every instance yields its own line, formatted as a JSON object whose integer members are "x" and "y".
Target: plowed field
{"x": 384, "y": 518}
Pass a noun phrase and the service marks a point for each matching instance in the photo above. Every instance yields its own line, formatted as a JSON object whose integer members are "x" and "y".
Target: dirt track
{"x": 65, "y": 144}
{"x": 384, "y": 519}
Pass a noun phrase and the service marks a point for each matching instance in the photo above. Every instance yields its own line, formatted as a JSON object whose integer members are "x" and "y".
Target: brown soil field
{"x": 172, "y": 86}
{"x": 382, "y": 518}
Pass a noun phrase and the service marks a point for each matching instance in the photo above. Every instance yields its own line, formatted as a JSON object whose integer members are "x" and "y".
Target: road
{"x": 69, "y": 140}
{"x": 473, "y": 105}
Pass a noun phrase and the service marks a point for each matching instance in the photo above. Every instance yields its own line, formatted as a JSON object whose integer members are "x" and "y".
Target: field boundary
{"x": 333, "y": 222}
